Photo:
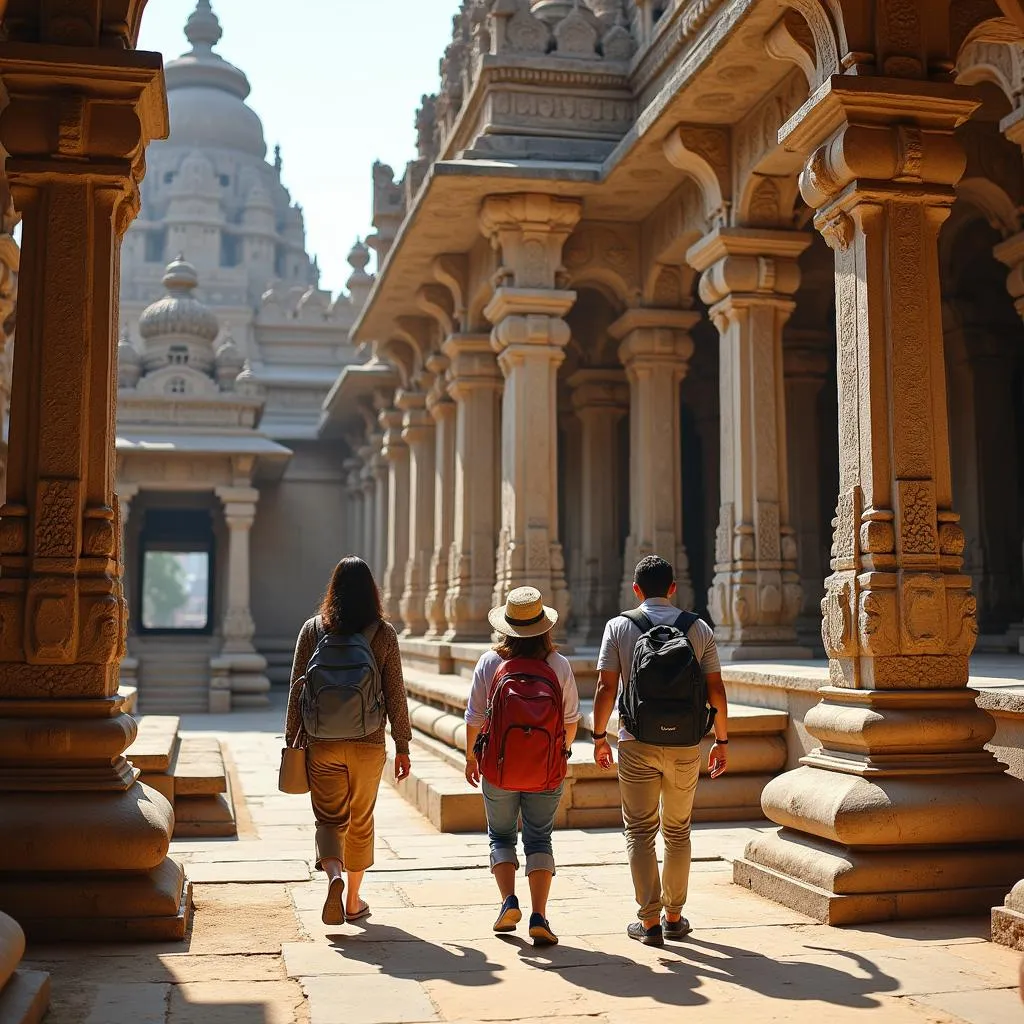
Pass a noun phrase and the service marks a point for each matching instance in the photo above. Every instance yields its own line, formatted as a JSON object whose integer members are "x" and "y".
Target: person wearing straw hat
{"x": 521, "y": 720}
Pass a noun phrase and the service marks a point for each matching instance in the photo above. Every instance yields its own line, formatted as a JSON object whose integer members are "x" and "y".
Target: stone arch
{"x": 768, "y": 200}
{"x": 704, "y": 154}
{"x": 403, "y": 355}
{"x": 478, "y": 301}
{"x": 810, "y": 35}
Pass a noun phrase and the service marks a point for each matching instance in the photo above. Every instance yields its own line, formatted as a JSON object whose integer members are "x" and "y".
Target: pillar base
{"x": 838, "y": 885}
{"x": 151, "y": 906}
{"x": 764, "y": 652}
{"x": 1008, "y": 920}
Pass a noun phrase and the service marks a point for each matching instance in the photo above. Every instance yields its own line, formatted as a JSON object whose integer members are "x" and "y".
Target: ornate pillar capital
{"x": 655, "y": 340}
{"x": 529, "y": 230}
{"x": 601, "y": 392}
{"x": 885, "y": 136}
{"x": 745, "y": 267}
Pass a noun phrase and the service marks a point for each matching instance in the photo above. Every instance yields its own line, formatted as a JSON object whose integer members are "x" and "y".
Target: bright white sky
{"x": 337, "y": 84}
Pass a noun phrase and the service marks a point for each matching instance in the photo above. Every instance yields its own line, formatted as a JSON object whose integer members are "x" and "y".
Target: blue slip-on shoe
{"x": 509, "y": 916}
{"x": 540, "y": 931}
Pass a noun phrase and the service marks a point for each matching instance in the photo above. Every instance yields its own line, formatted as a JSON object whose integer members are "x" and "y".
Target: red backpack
{"x": 522, "y": 745}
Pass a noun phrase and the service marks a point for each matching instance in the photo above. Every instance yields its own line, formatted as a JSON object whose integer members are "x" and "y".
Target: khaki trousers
{"x": 657, "y": 785}
{"x": 344, "y": 778}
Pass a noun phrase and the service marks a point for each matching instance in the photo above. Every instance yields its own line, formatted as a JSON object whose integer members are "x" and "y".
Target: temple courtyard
{"x": 258, "y": 954}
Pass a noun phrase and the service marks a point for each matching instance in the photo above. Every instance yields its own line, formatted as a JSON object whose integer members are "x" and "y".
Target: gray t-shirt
{"x": 621, "y": 635}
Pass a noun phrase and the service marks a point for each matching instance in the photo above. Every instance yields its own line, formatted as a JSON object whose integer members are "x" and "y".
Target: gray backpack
{"x": 342, "y": 698}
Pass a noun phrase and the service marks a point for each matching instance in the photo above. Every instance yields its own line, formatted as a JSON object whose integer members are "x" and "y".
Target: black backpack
{"x": 343, "y": 698}
{"x": 665, "y": 700}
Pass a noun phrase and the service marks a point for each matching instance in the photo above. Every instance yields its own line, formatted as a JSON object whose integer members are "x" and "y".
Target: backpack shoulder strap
{"x": 639, "y": 619}
{"x": 685, "y": 621}
{"x": 371, "y": 631}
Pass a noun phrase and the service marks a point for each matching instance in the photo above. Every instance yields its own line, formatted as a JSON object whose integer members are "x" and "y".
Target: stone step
{"x": 205, "y": 816}
{"x": 757, "y": 752}
{"x": 198, "y": 769}
{"x": 25, "y": 998}
{"x": 130, "y": 696}
{"x": 155, "y": 744}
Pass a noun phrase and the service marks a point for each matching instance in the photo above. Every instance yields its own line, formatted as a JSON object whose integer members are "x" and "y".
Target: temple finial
{"x": 203, "y": 29}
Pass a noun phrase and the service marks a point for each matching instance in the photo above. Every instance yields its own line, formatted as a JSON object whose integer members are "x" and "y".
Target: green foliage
{"x": 164, "y": 589}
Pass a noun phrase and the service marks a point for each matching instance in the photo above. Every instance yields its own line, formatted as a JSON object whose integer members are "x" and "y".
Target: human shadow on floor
{"x": 785, "y": 978}
{"x": 400, "y": 954}
{"x": 686, "y": 965}
{"x": 614, "y": 975}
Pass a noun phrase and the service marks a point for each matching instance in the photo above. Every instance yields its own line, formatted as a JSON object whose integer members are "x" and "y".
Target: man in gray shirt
{"x": 657, "y": 783}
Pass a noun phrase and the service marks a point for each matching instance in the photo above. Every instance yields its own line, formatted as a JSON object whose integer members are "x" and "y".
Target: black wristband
{"x": 599, "y": 735}
{"x": 722, "y": 743}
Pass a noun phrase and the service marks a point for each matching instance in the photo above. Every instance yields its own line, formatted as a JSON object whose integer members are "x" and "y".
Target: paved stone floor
{"x": 258, "y": 953}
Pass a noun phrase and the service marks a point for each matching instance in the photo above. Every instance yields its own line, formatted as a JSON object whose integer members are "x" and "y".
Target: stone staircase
{"x": 438, "y": 789}
{"x": 24, "y": 994}
{"x": 190, "y": 772}
{"x": 173, "y": 673}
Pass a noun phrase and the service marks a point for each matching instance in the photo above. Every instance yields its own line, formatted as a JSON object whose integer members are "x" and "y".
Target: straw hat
{"x": 523, "y": 614}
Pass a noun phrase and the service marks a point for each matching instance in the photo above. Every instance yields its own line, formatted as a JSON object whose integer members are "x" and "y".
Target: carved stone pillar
{"x": 901, "y": 812}
{"x": 655, "y": 348}
{"x": 238, "y": 659}
{"x": 600, "y": 399}
{"x": 442, "y": 409}
{"x": 381, "y": 477}
{"x": 368, "y": 486}
{"x": 396, "y": 453}
{"x": 354, "y": 506}
{"x": 749, "y": 278}
{"x": 83, "y": 845}
{"x": 418, "y": 433}
{"x": 529, "y": 336}
{"x": 474, "y": 384}
{"x": 806, "y": 366}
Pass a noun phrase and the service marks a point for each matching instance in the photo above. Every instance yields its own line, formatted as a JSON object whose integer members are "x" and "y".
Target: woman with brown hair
{"x": 521, "y": 719}
{"x": 346, "y": 685}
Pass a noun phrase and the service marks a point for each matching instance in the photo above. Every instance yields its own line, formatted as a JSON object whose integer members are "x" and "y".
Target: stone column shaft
{"x": 396, "y": 453}
{"x": 83, "y": 845}
{"x": 655, "y": 348}
{"x": 418, "y": 434}
{"x": 530, "y": 335}
{"x": 475, "y": 386}
{"x": 600, "y": 399}
{"x": 354, "y": 503}
{"x": 381, "y": 477}
{"x": 806, "y": 367}
{"x": 239, "y": 515}
{"x": 901, "y": 812}
{"x": 443, "y": 411}
{"x": 368, "y": 485}
{"x": 749, "y": 276}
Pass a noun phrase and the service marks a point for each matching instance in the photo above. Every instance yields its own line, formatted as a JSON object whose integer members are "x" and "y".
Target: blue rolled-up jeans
{"x": 503, "y": 808}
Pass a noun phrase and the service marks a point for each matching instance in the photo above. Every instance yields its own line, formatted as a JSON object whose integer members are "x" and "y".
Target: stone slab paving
{"x": 258, "y": 953}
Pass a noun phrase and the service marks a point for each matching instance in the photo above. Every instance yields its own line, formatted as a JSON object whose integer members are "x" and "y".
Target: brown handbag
{"x": 293, "y": 777}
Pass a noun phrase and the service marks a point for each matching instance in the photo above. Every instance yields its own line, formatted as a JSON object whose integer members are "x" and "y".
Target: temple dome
{"x": 206, "y": 95}
{"x": 178, "y": 312}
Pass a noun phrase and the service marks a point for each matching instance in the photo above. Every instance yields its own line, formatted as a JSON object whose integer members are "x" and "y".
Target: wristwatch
{"x": 599, "y": 735}
{"x": 721, "y": 743}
